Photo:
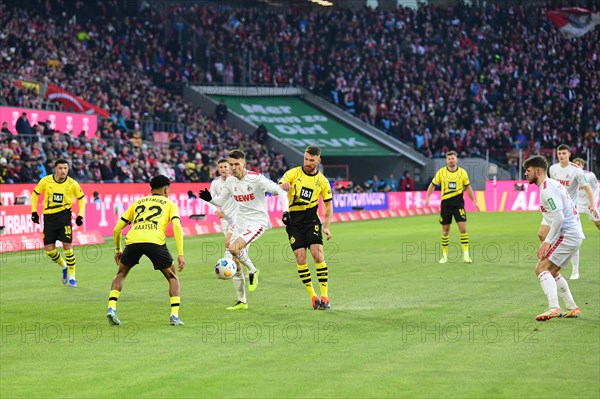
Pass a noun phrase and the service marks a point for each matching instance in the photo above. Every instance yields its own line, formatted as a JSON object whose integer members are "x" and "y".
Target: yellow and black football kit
{"x": 149, "y": 218}
{"x": 453, "y": 184}
{"x": 58, "y": 200}
{"x": 305, "y": 228}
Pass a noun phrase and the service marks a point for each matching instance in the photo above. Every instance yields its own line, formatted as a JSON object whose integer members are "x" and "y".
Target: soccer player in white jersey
{"x": 583, "y": 205}
{"x": 563, "y": 239}
{"x": 248, "y": 189}
{"x": 571, "y": 176}
{"x": 228, "y": 212}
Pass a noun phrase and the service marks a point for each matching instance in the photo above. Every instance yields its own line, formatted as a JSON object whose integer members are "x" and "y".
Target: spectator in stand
{"x": 221, "y": 112}
{"x": 23, "y": 126}
{"x": 407, "y": 183}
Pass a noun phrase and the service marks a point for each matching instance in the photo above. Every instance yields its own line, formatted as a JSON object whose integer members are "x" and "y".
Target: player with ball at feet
{"x": 248, "y": 190}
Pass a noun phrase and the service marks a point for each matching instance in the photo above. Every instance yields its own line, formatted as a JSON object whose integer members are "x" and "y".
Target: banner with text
{"x": 299, "y": 124}
{"x": 60, "y": 121}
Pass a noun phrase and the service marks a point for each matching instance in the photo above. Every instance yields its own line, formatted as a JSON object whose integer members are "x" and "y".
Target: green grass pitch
{"x": 401, "y": 325}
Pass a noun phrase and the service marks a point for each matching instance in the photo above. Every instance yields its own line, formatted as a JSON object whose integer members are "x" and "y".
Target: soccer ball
{"x": 225, "y": 268}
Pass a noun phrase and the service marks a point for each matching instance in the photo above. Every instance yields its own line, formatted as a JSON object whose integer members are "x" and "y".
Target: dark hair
{"x": 313, "y": 150}
{"x": 222, "y": 160}
{"x": 60, "y": 161}
{"x": 95, "y": 194}
{"x": 536, "y": 161}
{"x": 159, "y": 181}
{"x": 237, "y": 154}
{"x": 563, "y": 147}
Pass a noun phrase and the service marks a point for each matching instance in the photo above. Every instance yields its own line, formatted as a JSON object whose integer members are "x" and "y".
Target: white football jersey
{"x": 570, "y": 176}
{"x": 582, "y": 199}
{"x": 230, "y": 208}
{"x": 555, "y": 198}
{"x": 249, "y": 193}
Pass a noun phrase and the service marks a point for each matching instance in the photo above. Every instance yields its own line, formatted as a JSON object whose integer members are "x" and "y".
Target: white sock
{"x": 564, "y": 292}
{"x": 239, "y": 283}
{"x": 575, "y": 262}
{"x": 549, "y": 287}
{"x": 246, "y": 261}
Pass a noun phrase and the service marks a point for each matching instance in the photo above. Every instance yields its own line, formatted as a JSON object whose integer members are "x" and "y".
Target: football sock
{"x": 445, "y": 243}
{"x": 228, "y": 254}
{"x": 564, "y": 292}
{"x": 56, "y": 258}
{"x": 464, "y": 243}
{"x": 575, "y": 262}
{"x": 113, "y": 297}
{"x": 239, "y": 282}
{"x": 70, "y": 257}
{"x": 175, "y": 301}
{"x": 304, "y": 274}
{"x": 245, "y": 259}
{"x": 549, "y": 287}
{"x": 322, "y": 275}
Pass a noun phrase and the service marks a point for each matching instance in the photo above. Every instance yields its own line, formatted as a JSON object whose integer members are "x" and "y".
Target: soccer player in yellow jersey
{"x": 149, "y": 218}
{"x": 305, "y": 184}
{"x": 59, "y": 190}
{"x": 454, "y": 180}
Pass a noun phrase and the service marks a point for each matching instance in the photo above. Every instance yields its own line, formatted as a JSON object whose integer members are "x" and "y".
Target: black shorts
{"x": 57, "y": 227}
{"x": 303, "y": 236}
{"x": 447, "y": 212}
{"x": 159, "y": 255}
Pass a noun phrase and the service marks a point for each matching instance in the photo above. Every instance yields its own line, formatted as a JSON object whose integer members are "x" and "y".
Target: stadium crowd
{"x": 451, "y": 78}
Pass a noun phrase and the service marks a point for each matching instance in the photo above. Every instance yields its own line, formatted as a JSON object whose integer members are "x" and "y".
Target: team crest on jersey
{"x": 56, "y": 197}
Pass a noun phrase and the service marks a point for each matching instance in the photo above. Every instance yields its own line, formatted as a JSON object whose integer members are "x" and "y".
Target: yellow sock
{"x": 304, "y": 274}
{"x": 464, "y": 243}
{"x": 113, "y": 297}
{"x": 445, "y": 243}
{"x": 322, "y": 275}
{"x": 56, "y": 258}
{"x": 175, "y": 301}
{"x": 70, "y": 257}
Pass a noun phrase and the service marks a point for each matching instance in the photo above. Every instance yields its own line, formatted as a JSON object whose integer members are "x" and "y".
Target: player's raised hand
{"x": 205, "y": 195}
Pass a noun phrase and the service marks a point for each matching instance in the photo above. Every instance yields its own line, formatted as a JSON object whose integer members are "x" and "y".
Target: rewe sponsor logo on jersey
{"x": 564, "y": 182}
{"x": 244, "y": 197}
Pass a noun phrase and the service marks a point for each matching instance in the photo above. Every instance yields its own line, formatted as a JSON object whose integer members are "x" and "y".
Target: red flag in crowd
{"x": 71, "y": 101}
{"x": 574, "y": 21}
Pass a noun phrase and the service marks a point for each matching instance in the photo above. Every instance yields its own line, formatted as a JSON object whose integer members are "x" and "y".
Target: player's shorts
{"x": 248, "y": 234}
{"x": 57, "y": 227}
{"x": 589, "y": 214}
{"x": 303, "y": 236}
{"x": 563, "y": 249}
{"x": 159, "y": 255}
{"x": 447, "y": 212}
